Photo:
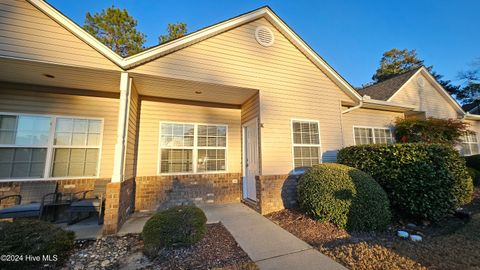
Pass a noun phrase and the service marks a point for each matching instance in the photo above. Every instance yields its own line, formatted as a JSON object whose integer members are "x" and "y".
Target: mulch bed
{"x": 450, "y": 244}
{"x": 217, "y": 250}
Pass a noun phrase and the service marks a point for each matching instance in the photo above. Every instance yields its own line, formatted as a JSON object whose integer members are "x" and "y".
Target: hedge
{"x": 423, "y": 181}
{"x": 177, "y": 226}
{"x": 36, "y": 238}
{"x": 345, "y": 196}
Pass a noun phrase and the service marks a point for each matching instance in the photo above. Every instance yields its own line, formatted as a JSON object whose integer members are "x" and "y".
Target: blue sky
{"x": 350, "y": 35}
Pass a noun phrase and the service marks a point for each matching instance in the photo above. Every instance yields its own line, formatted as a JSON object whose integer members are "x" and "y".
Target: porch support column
{"x": 119, "y": 160}
{"x": 115, "y": 214}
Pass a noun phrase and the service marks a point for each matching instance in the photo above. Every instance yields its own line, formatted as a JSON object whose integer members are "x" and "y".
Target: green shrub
{"x": 177, "y": 226}
{"x": 36, "y": 238}
{"x": 475, "y": 174}
{"x": 345, "y": 196}
{"x": 423, "y": 181}
{"x": 473, "y": 162}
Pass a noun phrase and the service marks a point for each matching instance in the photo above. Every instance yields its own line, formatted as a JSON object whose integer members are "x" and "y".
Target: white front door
{"x": 250, "y": 159}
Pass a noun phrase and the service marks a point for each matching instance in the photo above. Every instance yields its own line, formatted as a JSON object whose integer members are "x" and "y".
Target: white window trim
{"x": 50, "y": 147}
{"x": 319, "y": 145}
{"x": 373, "y": 133}
{"x": 469, "y": 146}
{"x": 194, "y": 148}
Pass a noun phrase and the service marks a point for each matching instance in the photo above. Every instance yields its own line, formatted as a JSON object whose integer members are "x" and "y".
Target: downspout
{"x": 354, "y": 108}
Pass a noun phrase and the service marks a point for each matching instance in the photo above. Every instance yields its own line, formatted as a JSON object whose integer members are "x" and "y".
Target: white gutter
{"x": 354, "y": 108}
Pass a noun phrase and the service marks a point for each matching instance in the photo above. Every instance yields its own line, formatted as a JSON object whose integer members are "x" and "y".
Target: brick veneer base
{"x": 276, "y": 192}
{"x": 159, "y": 192}
{"x": 119, "y": 204}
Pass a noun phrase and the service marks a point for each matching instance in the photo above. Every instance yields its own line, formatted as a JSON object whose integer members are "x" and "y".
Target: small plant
{"x": 177, "y": 226}
{"x": 35, "y": 238}
{"x": 345, "y": 196}
{"x": 423, "y": 181}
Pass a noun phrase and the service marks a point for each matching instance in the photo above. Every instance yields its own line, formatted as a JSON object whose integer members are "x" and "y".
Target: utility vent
{"x": 420, "y": 82}
{"x": 264, "y": 36}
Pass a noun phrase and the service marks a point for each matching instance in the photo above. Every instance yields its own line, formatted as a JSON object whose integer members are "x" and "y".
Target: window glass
{"x": 372, "y": 135}
{"x": 22, "y": 162}
{"x": 306, "y": 144}
{"x": 179, "y": 142}
{"x": 470, "y": 144}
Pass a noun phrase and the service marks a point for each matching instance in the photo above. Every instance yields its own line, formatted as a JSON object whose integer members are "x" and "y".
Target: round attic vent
{"x": 264, "y": 36}
{"x": 420, "y": 82}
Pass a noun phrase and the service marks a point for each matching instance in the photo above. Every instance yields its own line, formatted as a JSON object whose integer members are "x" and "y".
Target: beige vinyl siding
{"x": 130, "y": 155}
{"x": 474, "y": 126}
{"x": 366, "y": 118}
{"x": 152, "y": 112}
{"x": 251, "y": 109}
{"x": 290, "y": 86}
{"x": 19, "y": 101}
{"x": 28, "y": 33}
{"x": 427, "y": 99}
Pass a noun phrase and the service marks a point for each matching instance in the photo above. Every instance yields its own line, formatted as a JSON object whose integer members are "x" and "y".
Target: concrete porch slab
{"x": 135, "y": 223}
{"x": 85, "y": 229}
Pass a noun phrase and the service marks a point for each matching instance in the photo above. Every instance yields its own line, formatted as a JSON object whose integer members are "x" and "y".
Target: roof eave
{"x": 387, "y": 105}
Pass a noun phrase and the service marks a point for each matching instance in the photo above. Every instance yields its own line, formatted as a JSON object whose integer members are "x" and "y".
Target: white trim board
{"x": 169, "y": 47}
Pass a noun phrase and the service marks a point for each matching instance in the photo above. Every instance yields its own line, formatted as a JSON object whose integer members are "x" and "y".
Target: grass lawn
{"x": 450, "y": 244}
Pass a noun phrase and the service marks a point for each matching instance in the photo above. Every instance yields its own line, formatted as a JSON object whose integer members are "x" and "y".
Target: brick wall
{"x": 119, "y": 202}
{"x": 159, "y": 192}
{"x": 6, "y": 189}
{"x": 276, "y": 192}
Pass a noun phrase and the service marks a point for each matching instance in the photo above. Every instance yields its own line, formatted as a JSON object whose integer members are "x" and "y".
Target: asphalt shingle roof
{"x": 385, "y": 89}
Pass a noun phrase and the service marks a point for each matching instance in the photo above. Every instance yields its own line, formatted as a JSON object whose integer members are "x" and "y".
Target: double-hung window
{"x": 470, "y": 144}
{"x": 306, "y": 144}
{"x": 371, "y": 135}
{"x": 23, "y": 146}
{"x": 36, "y": 146}
{"x": 76, "y": 147}
{"x": 192, "y": 148}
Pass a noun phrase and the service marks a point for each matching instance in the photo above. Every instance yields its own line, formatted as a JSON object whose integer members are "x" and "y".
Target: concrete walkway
{"x": 267, "y": 244}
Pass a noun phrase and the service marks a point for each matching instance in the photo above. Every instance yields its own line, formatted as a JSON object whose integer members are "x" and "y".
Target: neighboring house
{"x": 229, "y": 113}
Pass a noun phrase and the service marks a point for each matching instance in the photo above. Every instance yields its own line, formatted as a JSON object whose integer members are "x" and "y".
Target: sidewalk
{"x": 268, "y": 245}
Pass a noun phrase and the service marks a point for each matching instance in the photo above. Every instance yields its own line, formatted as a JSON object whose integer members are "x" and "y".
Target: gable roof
{"x": 197, "y": 36}
{"x": 386, "y": 89}
{"x": 390, "y": 87}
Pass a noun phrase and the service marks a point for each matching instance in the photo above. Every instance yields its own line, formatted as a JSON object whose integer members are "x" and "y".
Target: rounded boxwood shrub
{"x": 177, "y": 226}
{"x": 422, "y": 181}
{"x": 345, "y": 196}
{"x": 35, "y": 238}
{"x": 475, "y": 174}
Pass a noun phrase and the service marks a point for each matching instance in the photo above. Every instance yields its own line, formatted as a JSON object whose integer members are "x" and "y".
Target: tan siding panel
{"x": 130, "y": 152}
{"x": 427, "y": 98}
{"x": 152, "y": 112}
{"x": 366, "y": 118}
{"x": 51, "y": 42}
{"x": 290, "y": 86}
{"x": 14, "y": 100}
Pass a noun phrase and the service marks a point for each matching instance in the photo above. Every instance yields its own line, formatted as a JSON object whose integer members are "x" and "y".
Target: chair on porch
{"x": 31, "y": 201}
{"x": 89, "y": 201}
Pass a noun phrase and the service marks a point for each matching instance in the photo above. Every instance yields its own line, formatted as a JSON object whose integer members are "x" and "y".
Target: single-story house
{"x": 229, "y": 113}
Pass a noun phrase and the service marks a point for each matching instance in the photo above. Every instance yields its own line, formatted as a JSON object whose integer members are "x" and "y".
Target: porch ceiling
{"x": 171, "y": 88}
{"x": 30, "y": 72}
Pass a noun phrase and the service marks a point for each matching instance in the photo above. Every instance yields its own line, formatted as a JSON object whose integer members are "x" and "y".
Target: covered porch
{"x": 131, "y": 108}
